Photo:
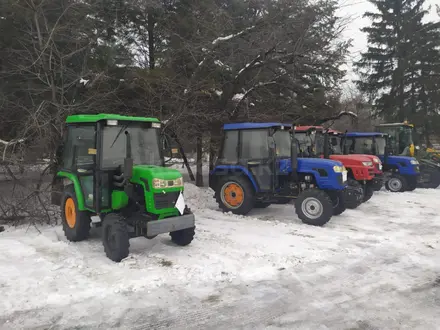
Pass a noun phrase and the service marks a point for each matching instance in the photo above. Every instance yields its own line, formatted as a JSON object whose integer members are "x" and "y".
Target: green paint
{"x": 144, "y": 175}
{"x": 119, "y": 199}
{"x": 78, "y": 191}
{"x": 104, "y": 116}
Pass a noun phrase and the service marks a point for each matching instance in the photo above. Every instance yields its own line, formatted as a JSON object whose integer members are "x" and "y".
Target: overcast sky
{"x": 354, "y": 9}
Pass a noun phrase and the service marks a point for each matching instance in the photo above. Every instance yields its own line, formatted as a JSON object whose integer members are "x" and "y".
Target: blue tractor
{"x": 258, "y": 166}
{"x": 401, "y": 173}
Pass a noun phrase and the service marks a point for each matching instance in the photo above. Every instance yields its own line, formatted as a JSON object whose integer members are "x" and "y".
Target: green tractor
{"x": 401, "y": 142}
{"x": 111, "y": 168}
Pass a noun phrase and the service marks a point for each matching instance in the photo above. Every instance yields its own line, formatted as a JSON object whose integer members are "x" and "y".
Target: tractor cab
{"x": 112, "y": 167}
{"x": 400, "y": 138}
{"x": 401, "y": 172}
{"x": 258, "y": 165}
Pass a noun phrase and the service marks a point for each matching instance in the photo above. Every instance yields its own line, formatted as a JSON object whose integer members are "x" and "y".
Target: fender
{"x": 77, "y": 186}
{"x": 223, "y": 169}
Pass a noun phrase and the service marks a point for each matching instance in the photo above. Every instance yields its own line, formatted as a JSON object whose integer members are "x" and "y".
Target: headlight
{"x": 160, "y": 183}
{"x": 414, "y": 162}
{"x": 338, "y": 169}
{"x": 376, "y": 160}
{"x": 367, "y": 163}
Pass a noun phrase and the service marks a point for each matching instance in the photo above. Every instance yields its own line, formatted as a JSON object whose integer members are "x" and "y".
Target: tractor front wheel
{"x": 354, "y": 194}
{"x": 314, "y": 207}
{"x": 76, "y": 223}
{"x": 183, "y": 237}
{"x": 397, "y": 183}
{"x": 368, "y": 192}
{"x": 115, "y": 237}
{"x": 235, "y": 194}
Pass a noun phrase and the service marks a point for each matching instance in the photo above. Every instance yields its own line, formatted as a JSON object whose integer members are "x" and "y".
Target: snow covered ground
{"x": 377, "y": 267}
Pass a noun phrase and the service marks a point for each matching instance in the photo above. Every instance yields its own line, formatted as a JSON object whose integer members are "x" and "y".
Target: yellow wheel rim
{"x": 70, "y": 212}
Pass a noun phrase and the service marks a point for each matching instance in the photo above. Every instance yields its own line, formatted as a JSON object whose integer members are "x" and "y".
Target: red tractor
{"x": 364, "y": 171}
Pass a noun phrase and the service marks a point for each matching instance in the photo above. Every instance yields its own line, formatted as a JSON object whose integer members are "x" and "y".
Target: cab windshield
{"x": 365, "y": 145}
{"x": 145, "y": 147}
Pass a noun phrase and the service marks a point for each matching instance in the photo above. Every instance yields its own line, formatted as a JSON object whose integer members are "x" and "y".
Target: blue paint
{"x": 235, "y": 126}
{"x": 235, "y": 168}
{"x": 307, "y": 166}
{"x": 398, "y": 161}
{"x": 364, "y": 134}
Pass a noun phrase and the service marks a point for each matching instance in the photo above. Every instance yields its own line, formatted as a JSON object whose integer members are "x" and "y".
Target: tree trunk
{"x": 211, "y": 153}
{"x": 151, "y": 22}
{"x": 199, "y": 173}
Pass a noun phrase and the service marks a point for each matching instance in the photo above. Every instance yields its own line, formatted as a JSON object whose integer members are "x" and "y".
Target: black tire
{"x": 314, "y": 198}
{"x": 115, "y": 237}
{"x": 355, "y": 187}
{"x": 368, "y": 192}
{"x": 247, "y": 190}
{"x": 76, "y": 224}
{"x": 434, "y": 180}
{"x": 412, "y": 184}
{"x": 338, "y": 202}
{"x": 397, "y": 183}
{"x": 261, "y": 205}
{"x": 183, "y": 237}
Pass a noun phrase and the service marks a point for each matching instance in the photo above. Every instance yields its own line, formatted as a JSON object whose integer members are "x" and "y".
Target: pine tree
{"x": 400, "y": 58}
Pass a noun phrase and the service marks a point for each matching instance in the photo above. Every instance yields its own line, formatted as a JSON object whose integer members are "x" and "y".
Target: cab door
{"x": 255, "y": 155}
{"x": 79, "y": 154}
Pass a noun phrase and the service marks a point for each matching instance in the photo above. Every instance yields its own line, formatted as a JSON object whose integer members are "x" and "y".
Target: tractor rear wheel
{"x": 397, "y": 183}
{"x": 314, "y": 207}
{"x": 115, "y": 237}
{"x": 235, "y": 194}
{"x": 76, "y": 223}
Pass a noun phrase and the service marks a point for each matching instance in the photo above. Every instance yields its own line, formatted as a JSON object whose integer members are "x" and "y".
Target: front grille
{"x": 166, "y": 200}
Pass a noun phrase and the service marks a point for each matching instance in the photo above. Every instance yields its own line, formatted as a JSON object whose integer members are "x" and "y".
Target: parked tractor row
{"x": 112, "y": 170}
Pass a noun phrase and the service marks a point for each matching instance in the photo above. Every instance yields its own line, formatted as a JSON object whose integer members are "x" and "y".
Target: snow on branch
{"x": 9, "y": 143}
{"x": 219, "y": 39}
{"x": 239, "y": 98}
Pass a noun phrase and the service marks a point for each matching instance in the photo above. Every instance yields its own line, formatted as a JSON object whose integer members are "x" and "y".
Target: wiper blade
{"x": 119, "y": 133}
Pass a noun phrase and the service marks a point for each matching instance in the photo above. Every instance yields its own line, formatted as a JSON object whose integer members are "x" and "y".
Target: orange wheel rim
{"x": 233, "y": 195}
{"x": 70, "y": 212}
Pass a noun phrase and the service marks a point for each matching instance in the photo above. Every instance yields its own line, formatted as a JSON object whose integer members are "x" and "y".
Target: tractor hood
{"x": 157, "y": 178}
{"x": 155, "y": 172}
{"x": 352, "y": 160}
{"x": 400, "y": 160}
{"x": 305, "y": 164}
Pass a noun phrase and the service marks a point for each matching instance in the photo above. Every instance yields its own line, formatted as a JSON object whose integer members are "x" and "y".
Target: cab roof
{"x": 306, "y": 128}
{"x": 363, "y": 134}
{"x": 405, "y": 124}
{"x": 236, "y": 126}
{"x": 86, "y": 118}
